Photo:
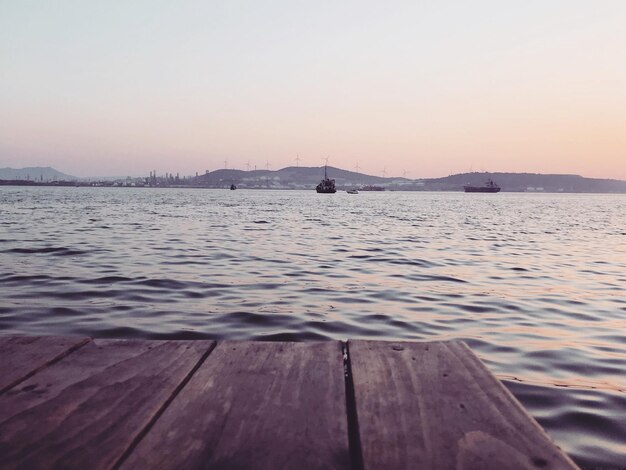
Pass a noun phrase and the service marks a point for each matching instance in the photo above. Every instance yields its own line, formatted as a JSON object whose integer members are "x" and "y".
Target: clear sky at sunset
{"x": 430, "y": 87}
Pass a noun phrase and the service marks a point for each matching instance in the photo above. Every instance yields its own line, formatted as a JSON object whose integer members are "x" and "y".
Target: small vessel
{"x": 233, "y": 187}
{"x": 488, "y": 187}
{"x": 371, "y": 187}
{"x": 326, "y": 186}
{"x": 352, "y": 191}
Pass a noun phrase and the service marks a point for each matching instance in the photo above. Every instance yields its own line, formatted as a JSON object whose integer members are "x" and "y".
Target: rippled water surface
{"x": 534, "y": 283}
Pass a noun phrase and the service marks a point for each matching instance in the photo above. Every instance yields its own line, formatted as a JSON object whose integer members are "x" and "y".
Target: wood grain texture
{"x": 435, "y": 405}
{"x": 22, "y": 356}
{"x": 85, "y": 410}
{"x": 255, "y": 405}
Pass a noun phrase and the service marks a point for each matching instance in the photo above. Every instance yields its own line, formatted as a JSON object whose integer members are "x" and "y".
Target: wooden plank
{"x": 435, "y": 405}
{"x": 23, "y": 356}
{"x": 255, "y": 405}
{"x": 86, "y": 410}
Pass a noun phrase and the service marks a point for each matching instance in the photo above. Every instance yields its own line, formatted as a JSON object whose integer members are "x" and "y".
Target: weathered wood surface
{"x": 86, "y": 410}
{"x": 23, "y": 356}
{"x": 201, "y": 404}
{"x": 255, "y": 405}
{"x": 435, "y": 405}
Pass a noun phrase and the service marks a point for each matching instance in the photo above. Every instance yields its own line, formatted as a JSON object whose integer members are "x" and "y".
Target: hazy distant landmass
{"x": 308, "y": 177}
{"x": 290, "y": 177}
{"x": 530, "y": 182}
{"x": 34, "y": 173}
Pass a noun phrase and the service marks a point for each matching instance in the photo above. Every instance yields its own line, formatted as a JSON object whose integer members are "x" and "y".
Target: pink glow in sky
{"x": 433, "y": 88}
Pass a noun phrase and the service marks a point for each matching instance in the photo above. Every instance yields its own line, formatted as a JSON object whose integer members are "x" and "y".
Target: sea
{"x": 534, "y": 283}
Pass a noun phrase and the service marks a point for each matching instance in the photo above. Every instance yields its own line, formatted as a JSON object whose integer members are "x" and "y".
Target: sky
{"x": 420, "y": 88}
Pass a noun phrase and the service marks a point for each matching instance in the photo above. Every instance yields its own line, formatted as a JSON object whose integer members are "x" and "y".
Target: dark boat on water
{"x": 233, "y": 187}
{"x": 488, "y": 187}
{"x": 327, "y": 185}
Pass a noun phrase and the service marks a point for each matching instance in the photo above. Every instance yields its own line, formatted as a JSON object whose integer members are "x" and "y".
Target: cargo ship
{"x": 488, "y": 187}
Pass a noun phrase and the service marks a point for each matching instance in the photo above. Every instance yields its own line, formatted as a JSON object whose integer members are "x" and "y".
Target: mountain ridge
{"x": 308, "y": 177}
{"x": 298, "y": 177}
{"x": 35, "y": 173}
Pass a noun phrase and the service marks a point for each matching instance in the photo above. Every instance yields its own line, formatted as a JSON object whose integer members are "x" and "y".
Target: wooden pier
{"x": 81, "y": 403}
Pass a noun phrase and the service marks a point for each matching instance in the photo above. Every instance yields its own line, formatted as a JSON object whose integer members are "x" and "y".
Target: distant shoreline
{"x": 109, "y": 184}
{"x": 306, "y": 178}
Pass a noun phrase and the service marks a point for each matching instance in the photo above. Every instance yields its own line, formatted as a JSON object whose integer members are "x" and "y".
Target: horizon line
{"x": 199, "y": 174}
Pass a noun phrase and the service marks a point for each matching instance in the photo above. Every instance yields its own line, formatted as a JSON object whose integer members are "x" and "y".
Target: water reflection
{"x": 534, "y": 283}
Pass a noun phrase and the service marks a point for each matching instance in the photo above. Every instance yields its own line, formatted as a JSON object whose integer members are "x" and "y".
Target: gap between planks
{"x": 354, "y": 440}
{"x": 354, "y": 437}
{"x": 50, "y": 362}
{"x": 161, "y": 410}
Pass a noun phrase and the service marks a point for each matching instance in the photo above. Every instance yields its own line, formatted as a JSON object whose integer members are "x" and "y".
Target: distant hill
{"x": 290, "y": 177}
{"x": 35, "y": 173}
{"x": 529, "y": 182}
{"x": 308, "y": 177}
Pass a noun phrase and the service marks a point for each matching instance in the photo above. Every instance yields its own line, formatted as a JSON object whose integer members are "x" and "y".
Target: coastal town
{"x": 306, "y": 178}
